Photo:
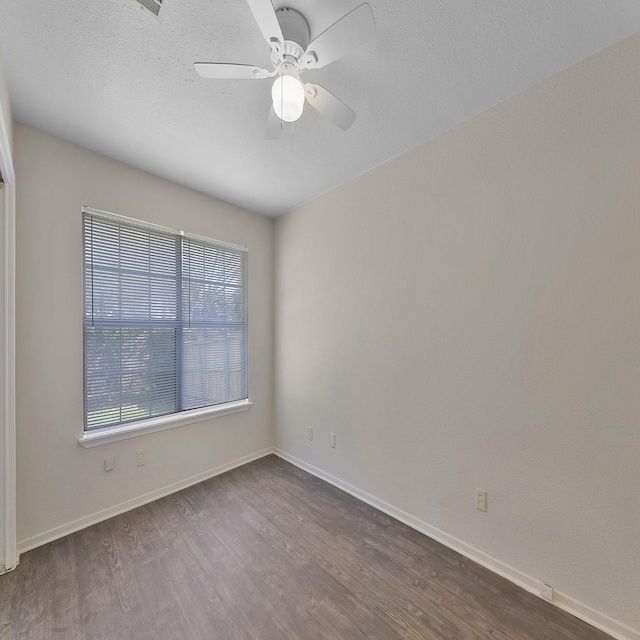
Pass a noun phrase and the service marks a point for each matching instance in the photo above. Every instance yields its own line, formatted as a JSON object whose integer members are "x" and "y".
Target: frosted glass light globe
{"x": 288, "y": 98}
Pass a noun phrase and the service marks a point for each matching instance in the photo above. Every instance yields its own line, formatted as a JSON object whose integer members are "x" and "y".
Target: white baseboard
{"x": 70, "y": 527}
{"x": 599, "y": 620}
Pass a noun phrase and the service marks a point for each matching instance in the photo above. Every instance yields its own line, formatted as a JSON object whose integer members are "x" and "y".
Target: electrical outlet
{"x": 546, "y": 591}
{"x": 109, "y": 464}
{"x": 481, "y": 500}
{"x": 140, "y": 458}
{"x": 332, "y": 440}
{"x": 310, "y": 433}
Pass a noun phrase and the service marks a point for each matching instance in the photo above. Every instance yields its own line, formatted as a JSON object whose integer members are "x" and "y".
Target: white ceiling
{"x": 112, "y": 77}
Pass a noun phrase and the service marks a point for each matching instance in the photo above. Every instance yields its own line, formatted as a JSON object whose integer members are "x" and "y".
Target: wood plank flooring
{"x": 265, "y": 552}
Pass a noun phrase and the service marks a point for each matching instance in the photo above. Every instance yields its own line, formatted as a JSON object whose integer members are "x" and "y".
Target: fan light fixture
{"x": 287, "y": 94}
{"x": 286, "y": 31}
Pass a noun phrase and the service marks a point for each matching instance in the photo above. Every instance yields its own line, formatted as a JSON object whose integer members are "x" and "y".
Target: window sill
{"x": 142, "y": 427}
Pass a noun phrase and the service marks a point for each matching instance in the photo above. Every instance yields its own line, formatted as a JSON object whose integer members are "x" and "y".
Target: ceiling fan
{"x": 287, "y": 33}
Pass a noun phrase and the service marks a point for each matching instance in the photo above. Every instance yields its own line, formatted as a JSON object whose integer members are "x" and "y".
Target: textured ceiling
{"x": 112, "y": 77}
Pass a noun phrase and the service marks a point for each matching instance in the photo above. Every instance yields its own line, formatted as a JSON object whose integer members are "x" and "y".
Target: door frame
{"x": 8, "y": 391}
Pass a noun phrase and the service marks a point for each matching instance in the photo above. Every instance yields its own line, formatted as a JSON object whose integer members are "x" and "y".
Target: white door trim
{"x": 8, "y": 392}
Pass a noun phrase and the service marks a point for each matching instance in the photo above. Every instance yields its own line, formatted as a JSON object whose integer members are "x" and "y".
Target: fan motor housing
{"x": 295, "y": 28}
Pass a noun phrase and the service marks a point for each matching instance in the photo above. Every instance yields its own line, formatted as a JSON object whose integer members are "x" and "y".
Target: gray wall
{"x": 467, "y": 315}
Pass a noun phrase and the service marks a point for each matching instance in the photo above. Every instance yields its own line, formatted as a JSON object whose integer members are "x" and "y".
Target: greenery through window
{"x": 165, "y": 322}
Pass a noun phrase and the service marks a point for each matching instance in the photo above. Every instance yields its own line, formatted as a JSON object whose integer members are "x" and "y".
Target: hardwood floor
{"x": 265, "y": 552}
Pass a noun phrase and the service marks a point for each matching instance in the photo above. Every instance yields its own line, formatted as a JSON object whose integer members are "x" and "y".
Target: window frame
{"x": 109, "y": 433}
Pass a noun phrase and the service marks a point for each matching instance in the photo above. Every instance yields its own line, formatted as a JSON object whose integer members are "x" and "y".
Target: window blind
{"x": 165, "y": 321}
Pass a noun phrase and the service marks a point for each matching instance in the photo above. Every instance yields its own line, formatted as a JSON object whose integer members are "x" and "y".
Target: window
{"x": 165, "y": 321}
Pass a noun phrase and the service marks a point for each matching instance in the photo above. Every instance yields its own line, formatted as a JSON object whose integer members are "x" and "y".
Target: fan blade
{"x": 265, "y": 16}
{"x": 274, "y": 126}
{"x": 340, "y": 38}
{"x": 230, "y": 71}
{"x": 329, "y": 106}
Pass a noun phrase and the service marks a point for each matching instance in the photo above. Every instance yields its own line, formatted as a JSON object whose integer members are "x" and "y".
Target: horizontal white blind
{"x": 214, "y": 353}
{"x": 165, "y": 322}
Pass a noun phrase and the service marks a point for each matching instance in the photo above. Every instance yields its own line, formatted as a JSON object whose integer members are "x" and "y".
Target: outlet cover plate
{"x": 546, "y": 591}
{"x": 481, "y": 500}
